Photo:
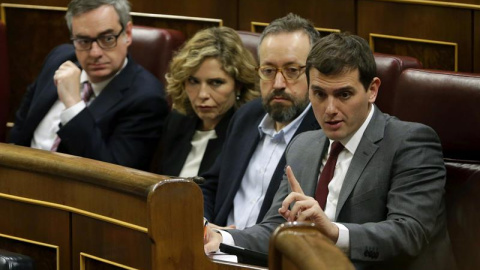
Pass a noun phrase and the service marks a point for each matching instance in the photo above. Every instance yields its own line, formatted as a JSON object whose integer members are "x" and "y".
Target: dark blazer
{"x": 177, "y": 138}
{"x": 122, "y": 125}
{"x": 391, "y": 201}
{"x": 223, "y": 180}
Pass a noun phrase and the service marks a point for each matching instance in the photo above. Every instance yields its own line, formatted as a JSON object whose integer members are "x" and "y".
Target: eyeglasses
{"x": 104, "y": 41}
{"x": 290, "y": 72}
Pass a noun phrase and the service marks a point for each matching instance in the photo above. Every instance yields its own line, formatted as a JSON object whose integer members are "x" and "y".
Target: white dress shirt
{"x": 335, "y": 185}
{"x": 249, "y": 198}
{"x": 46, "y": 132}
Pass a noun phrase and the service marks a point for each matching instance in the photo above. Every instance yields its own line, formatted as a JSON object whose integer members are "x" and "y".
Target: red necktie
{"x": 87, "y": 91}
{"x": 327, "y": 174}
{"x": 86, "y": 95}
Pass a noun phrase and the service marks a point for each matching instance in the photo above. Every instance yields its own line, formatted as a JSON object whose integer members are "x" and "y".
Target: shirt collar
{"x": 267, "y": 127}
{"x": 98, "y": 87}
{"x": 353, "y": 141}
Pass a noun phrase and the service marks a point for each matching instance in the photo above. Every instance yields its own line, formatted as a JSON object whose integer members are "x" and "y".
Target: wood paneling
{"x": 472, "y": 2}
{"x": 46, "y": 28}
{"x": 45, "y": 258}
{"x": 42, "y": 199}
{"x": 35, "y": 229}
{"x": 476, "y": 44}
{"x": 325, "y": 14}
{"x": 218, "y": 9}
{"x": 420, "y": 22}
{"x": 93, "y": 263}
{"x": 55, "y": 3}
{"x": 31, "y": 35}
{"x": 440, "y": 55}
{"x": 336, "y": 14}
{"x": 440, "y": 2}
{"x": 113, "y": 243}
{"x": 259, "y": 11}
{"x": 29, "y": 41}
{"x": 187, "y": 25}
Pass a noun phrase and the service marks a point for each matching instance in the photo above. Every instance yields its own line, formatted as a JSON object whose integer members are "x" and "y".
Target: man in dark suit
{"x": 240, "y": 186}
{"x": 384, "y": 203}
{"x": 90, "y": 99}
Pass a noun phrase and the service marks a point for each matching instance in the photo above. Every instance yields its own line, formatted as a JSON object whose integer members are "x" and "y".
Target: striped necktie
{"x": 86, "y": 95}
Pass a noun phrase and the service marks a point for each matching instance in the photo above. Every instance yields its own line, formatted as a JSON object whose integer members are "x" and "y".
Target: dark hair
{"x": 289, "y": 24}
{"x": 78, "y": 7}
{"x": 342, "y": 52}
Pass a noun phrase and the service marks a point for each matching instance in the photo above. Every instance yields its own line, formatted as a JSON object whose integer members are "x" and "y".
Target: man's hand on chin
{"x": 67, "y": 80}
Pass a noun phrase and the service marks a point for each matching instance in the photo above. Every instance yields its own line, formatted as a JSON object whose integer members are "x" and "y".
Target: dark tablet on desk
{"x": 246, "y": 256}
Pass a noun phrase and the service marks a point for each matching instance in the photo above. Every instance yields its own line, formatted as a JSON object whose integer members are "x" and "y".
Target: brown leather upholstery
{"x": 250, "y": 41}
{"x": 463, "y": 220}
{"x": 4, "y": 82}
{"x": 446, "y": 101}
{"x": 153, "y": 48}
{"x": 389, "y": 68}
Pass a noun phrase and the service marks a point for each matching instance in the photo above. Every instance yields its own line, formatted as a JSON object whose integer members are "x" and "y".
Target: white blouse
{"x": 199, "y": 145}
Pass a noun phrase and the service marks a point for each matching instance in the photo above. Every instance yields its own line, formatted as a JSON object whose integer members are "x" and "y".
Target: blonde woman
{"x": 210, "y": 77}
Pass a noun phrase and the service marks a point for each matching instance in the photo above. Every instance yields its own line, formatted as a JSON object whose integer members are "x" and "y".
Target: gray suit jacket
{"x": 392, "y": 198}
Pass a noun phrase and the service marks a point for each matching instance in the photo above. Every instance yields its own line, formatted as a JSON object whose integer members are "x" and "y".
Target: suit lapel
{"x": 247, "y": 140}
{"x": 308, "y": 123}
{"x": 365, "y": 151}
{"x": 309, "y": 174}
{"x": 214, "y": 146}
{"x": 113, "y": 92}
{"x": 179, "y": 143}
{"x": 42, "y": 104}
{"x": 315, "y": 150}
{"x": 46, "y": 97}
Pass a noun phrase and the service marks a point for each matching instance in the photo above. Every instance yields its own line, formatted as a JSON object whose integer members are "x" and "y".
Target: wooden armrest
{"x": 299, "y": 245}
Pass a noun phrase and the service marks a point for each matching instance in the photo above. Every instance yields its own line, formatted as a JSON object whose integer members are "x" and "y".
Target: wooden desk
{"x": 69, "y": 212}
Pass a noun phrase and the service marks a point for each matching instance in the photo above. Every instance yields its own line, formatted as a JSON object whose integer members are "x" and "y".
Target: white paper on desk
{"x": 223, "y": 257}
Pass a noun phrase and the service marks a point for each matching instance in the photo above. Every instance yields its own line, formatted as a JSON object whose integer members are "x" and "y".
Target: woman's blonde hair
{"x": 223, "y": 44}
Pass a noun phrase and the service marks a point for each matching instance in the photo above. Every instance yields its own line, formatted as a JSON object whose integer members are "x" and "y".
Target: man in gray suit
{"x": 384, "y": 206}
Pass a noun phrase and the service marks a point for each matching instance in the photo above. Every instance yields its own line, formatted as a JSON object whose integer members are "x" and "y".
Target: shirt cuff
{"x": 227, "y": 237}
{"x": 71, "y": 112}
{"x": 343, "y": 241}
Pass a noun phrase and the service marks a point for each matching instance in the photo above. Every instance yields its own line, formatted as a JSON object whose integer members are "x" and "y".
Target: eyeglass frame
{"x": 91, "y": 40}
{"x": 281, "y": 69}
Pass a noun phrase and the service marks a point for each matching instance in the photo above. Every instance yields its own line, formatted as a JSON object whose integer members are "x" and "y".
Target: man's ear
{"x": 128, "y": 33}
{"x": 373, "y": 89}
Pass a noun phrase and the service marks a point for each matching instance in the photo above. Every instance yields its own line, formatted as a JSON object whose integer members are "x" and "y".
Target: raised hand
{"x": 305, "y": 208}
{"x": 67, "y": 80}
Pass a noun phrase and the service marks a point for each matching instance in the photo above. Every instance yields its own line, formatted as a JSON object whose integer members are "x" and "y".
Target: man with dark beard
{"x": 240, "y": 186}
